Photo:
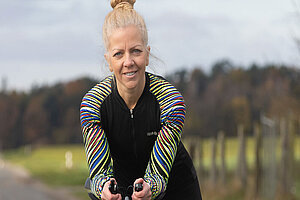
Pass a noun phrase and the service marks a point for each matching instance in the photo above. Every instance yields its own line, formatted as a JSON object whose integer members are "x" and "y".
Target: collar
{"x": 116, "y": 94}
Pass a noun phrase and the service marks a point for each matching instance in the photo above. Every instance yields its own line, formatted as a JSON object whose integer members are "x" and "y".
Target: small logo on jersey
{"x": 152, "y": 133}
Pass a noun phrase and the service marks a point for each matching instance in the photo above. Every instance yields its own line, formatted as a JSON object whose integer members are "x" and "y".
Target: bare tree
{"x": 296, "y": 31}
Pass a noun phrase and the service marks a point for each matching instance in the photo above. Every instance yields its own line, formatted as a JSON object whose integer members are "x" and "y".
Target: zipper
{"x": 133, "y": 133}
{"x": 131, "y": 113}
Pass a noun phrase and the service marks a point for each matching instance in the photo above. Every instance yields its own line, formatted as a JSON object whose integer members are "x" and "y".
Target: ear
{"x": 147, "y": 56}
{"x": 106, "y": 56}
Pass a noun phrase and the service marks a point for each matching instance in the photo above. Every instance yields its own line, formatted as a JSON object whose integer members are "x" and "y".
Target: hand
{"x": 107, "y": 195}
{"x": 145, "y": 194}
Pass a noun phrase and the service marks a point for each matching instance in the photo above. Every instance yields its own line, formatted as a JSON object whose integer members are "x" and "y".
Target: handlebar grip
{"x": 138, "y": 187}
{"x": 113, "y": 188}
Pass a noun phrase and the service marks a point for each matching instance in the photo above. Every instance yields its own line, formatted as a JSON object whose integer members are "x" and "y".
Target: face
{"x": 128, "y": 57}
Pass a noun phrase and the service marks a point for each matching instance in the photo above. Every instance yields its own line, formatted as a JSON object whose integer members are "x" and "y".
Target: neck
{"x": 131, "y": 95}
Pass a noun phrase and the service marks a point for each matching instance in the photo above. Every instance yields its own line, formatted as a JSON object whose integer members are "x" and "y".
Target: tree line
{"x": 219, "y": 100}
{"x": 45, "y": 115}
{"x": 231, "y": 95}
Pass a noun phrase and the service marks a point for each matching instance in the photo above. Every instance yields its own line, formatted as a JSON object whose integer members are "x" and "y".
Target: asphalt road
{"x": 15, "y": 183}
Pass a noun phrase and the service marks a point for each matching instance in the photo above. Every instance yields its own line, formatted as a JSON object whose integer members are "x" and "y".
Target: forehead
{"x": 128, "y": 36}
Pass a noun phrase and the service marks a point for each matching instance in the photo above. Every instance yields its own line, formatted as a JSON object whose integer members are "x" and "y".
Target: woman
{"x": 132, "y": 121}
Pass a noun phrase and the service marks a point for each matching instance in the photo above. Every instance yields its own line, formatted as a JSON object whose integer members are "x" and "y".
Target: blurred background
{"x": 236, "y": 63}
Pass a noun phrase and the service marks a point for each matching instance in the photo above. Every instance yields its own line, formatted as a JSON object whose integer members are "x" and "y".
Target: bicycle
{"x": 114, "y": 189}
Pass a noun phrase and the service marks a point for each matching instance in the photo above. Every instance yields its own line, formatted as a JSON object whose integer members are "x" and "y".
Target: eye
{"x": 136, "y": 51}
{"x": 117, "y": 54}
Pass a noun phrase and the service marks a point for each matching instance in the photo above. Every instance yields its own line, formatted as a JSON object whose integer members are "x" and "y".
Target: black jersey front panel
{"x": 131, "y": 133}
{"x": 143, "y": 143}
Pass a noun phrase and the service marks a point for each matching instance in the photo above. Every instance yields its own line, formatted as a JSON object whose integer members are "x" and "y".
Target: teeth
{"x": 130, "y": 74}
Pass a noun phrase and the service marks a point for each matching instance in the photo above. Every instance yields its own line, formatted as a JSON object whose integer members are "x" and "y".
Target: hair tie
{"x": 124, "y": 5}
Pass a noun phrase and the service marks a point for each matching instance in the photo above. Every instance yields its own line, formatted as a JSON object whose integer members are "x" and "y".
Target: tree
{"x": 197, "y": 83}
{"x": 221, "y": 67}
{"x": 296, "y": 38}
{"x": 11, "y": 106}
{"x": 179, "y": 79}
{"x": 36, "y": 123}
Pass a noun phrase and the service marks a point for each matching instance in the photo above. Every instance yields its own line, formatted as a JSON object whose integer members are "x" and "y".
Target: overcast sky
{"x": 45, "y": 41}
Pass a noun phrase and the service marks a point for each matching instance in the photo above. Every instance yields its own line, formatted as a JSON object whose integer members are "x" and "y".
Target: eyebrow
{"x": 138, "y": 45}
{"x": 116, "y": 49}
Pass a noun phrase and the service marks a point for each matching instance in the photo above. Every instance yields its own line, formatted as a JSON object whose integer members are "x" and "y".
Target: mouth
{"x": 129, "y": 74}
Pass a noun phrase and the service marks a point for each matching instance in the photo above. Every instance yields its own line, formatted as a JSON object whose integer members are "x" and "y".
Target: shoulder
{"x": 156, "y": 79}
{"x": 92, "y": 102}
{"x": 100, "y": 91}
{"x": 170, "y": 100}
{"x": 162, "y": 88}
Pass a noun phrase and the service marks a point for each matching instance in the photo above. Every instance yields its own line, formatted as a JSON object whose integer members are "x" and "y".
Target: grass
{"x": 231, "y": 154}
{"x": 47, "y": 163}
{"x": 232, "y": 190}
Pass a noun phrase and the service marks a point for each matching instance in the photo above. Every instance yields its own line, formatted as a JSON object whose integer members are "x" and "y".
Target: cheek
{"x": 147, "y": 60}
{"x": 115, "y": 66}
{"x": 110, "y": 67}
{"x": 142, "y": 62}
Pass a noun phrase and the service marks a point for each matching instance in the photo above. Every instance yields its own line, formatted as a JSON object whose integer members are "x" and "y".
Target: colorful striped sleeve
{"x": 172, "y": 119}
{"x": 95, "y": 141}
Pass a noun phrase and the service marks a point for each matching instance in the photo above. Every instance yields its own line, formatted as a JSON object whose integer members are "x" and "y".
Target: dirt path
{"x": 16, "y": 183}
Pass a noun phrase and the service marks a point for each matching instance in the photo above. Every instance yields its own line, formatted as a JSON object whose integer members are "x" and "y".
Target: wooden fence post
{"x": 221, "y": 139}
{"x": 213, "y": 170}
{"x": 258, "y": 167}
{"x": 287, "y": 131}
{"x": 269, "y": 178}
{"x": 291, "y": 135}
{"x": 200, "y": 157}
{"x": 298, "y": 125}
{"x": 284, "y": 182}
{"x": 192, "y": 147}
{"x": 242, "y": 164}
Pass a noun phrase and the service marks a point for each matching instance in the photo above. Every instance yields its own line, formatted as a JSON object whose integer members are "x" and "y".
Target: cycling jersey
{"x": 142, "y": 142}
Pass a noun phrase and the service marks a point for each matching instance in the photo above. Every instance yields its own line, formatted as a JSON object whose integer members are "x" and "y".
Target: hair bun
{"x": 122, "y": 3}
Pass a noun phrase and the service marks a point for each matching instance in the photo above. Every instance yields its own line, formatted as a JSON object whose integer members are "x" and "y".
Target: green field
{"x": 231, "y": 152}
{"x": 231, "y": 189}
{"x": 47, "y": 163}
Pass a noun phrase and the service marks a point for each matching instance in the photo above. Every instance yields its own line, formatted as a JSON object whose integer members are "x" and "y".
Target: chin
{"x": 131, "y": 85}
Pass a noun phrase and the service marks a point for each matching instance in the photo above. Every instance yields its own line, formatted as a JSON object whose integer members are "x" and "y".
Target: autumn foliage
{"x": 227, "y": 96}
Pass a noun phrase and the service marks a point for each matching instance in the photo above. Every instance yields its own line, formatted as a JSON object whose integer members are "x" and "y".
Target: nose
{"x": 128, "y": 60}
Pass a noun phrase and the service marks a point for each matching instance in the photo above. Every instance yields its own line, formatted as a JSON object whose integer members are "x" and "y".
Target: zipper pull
{"x": 131, "y": 113}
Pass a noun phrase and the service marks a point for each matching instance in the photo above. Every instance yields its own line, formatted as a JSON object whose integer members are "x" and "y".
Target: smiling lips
{"x": 130, "y": 73}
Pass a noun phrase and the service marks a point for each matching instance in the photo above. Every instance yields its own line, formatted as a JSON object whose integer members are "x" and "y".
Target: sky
{"x": 46, "y": 41}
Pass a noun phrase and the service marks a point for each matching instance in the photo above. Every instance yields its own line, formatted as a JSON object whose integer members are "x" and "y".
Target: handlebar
{"x": 114, "y": 189}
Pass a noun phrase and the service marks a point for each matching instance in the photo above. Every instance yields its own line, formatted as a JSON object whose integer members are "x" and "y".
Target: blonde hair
{"x": 121, "y": 16}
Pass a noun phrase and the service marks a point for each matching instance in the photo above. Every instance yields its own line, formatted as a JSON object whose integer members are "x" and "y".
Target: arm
{"x": 94, "y": 138}
{"x": 165, "y": 147}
